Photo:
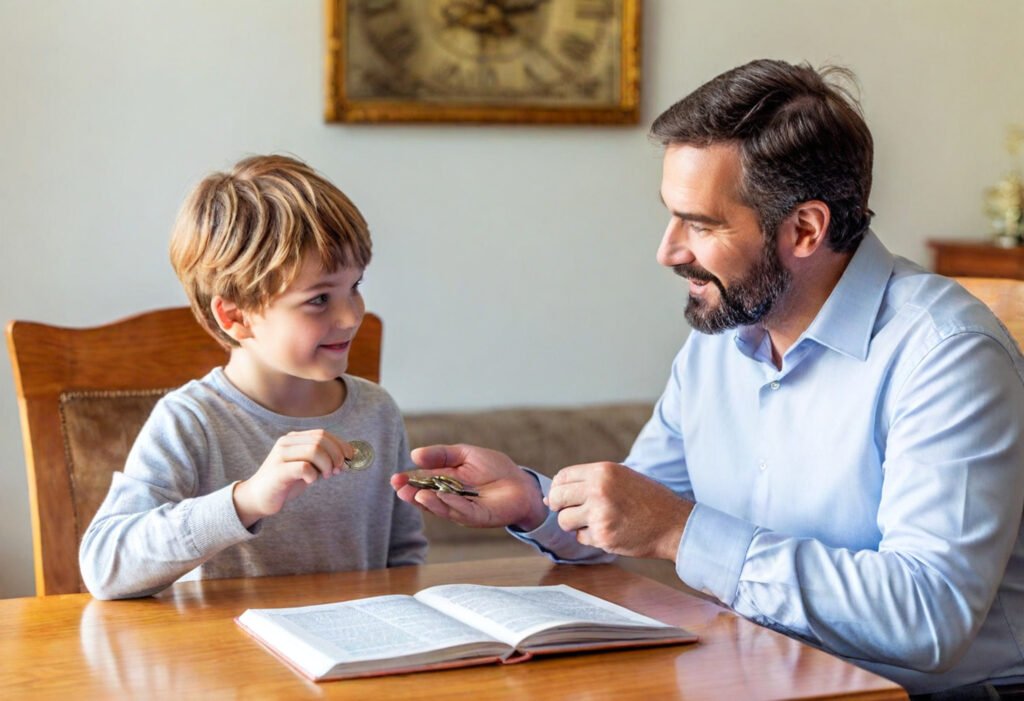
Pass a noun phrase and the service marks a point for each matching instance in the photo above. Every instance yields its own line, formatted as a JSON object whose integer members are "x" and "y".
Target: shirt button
{"x": 775, "y": 385}
{"x": 762, "y": 466}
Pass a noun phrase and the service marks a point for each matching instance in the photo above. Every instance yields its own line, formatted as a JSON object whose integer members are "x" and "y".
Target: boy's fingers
{"x": 314, "y": 455}
{"x": 306, "y": 472}
{"x": 337, "y": 449}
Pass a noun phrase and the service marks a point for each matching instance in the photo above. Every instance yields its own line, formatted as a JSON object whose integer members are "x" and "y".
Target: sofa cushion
{"x": 545, "y": 439}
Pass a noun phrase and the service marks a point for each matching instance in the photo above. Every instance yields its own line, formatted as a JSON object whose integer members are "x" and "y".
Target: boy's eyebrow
{"x": 317, "y": 287}
{"x": 321, "y": 285}
{"x": 692, "y": 216}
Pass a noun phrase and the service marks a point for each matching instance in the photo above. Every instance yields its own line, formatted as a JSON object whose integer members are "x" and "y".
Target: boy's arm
{"x": 152, "y": 528}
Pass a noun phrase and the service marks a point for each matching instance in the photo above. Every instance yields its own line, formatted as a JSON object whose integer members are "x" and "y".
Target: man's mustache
{"x": 694, "y": 272}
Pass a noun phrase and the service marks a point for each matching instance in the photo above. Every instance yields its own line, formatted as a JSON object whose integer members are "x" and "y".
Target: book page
{"x": 374, "y": 628}
{"x": 512, "y": 614}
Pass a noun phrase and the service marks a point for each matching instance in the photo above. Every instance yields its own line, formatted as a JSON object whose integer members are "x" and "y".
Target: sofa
{"x": 545, "y": 439}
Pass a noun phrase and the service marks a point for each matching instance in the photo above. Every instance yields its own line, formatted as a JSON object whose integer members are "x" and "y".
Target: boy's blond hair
{"x": 242, "y": 235}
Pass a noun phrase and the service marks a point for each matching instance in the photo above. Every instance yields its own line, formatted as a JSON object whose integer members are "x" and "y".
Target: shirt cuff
{"x": 712, "y": 552}
{"x": 213, "y": 522}
{"x": 561, "y": 546}
{"x": 549, "y": 526}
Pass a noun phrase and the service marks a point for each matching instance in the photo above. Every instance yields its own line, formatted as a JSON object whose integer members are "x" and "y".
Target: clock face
{"x": 546, "y": 54}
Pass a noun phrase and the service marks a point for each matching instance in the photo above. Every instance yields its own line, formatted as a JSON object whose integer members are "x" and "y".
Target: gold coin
{"x": 421, "y": 483}
{"x": 363, "y": 457}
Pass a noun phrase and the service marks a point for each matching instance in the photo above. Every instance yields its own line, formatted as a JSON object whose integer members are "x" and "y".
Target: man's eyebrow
{"x": 692, "y": 216}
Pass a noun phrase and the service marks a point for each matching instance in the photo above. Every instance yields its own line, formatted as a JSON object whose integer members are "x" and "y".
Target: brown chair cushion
{"x": 99, "y": 429}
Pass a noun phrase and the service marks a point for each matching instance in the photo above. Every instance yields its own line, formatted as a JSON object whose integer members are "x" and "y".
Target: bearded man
{"x": 838, "y": 453}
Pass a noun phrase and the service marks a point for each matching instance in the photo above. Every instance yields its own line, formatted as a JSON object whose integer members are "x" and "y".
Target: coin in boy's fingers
{"x": 363, "y": 457}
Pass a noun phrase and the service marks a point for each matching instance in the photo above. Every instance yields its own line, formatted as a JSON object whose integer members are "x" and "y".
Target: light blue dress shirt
{"x": 865, "y": 498}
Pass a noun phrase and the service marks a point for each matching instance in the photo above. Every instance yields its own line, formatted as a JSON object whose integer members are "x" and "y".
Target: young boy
{"x": 244, "y": 472}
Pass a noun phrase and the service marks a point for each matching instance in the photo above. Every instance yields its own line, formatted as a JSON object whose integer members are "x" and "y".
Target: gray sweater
{"x": 170, "y": 514}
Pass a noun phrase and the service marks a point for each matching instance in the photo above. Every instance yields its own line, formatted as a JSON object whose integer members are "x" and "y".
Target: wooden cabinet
{"x": 967, "y": 258}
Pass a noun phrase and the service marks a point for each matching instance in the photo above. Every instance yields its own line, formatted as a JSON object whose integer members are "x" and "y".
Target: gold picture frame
{"x": 507, "y": 61}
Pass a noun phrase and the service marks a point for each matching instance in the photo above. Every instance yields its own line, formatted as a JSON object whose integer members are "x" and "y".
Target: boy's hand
{"x": 509, "y": 496}
{"x": 295, "y": 462}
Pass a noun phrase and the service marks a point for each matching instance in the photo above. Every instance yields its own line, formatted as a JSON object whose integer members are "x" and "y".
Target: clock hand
{"x": 489, "y": 17}
{"x": 485, "y": 18}
{"x": 519, "y": 7}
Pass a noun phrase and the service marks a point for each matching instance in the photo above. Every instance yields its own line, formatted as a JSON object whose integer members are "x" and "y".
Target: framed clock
{"x": 541, "y": 61}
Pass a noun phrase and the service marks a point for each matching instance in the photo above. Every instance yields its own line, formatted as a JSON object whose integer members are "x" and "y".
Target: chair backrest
{"x": 1004, "y": 297}
{"x": 83, "y": 395}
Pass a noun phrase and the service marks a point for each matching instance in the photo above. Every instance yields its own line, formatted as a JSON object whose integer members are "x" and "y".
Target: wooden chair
{"x": 1004, "y": 297}
{"x": 83, "y": 395}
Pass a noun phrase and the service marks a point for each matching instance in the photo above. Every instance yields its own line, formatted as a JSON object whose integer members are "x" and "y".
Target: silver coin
{"x": 363, "y": 457}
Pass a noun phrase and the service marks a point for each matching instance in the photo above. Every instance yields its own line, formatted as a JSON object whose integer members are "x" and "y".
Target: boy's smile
{"x": 341, "y": 347}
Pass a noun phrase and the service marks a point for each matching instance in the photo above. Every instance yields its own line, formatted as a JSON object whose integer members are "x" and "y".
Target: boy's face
{"x": 306, "y": 331}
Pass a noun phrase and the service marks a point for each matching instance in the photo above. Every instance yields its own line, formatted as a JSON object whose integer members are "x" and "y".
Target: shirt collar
{"x": 846, "y": 321}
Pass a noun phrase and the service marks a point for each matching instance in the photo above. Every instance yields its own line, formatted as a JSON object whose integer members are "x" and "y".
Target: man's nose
{"x": 674, "y": 248}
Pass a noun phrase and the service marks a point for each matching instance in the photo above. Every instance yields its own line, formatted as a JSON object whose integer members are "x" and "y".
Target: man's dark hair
{"x": 801, "y": 137}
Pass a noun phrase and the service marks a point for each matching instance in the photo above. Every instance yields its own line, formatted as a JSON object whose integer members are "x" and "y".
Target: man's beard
{"x": 745, "y": 302}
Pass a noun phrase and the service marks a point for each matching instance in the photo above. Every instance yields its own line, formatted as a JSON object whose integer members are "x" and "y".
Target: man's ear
{"x": 230, "y": 318}
{"x": 808, "y": 227}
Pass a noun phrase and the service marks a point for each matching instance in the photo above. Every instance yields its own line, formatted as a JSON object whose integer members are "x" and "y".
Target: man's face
{"x": 715, "y": 241}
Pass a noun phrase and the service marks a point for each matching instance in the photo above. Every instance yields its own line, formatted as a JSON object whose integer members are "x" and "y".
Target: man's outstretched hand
{"x": 509, "y": 496}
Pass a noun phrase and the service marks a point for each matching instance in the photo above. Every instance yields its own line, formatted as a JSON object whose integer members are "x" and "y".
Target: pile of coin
{"x": 443, "y": 483}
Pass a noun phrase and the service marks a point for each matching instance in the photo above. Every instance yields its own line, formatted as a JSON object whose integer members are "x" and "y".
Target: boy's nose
{"x": 349, "y": 316}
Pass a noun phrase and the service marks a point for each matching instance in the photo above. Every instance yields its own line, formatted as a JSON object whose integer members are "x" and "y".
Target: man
{"x": 838, "y": 453}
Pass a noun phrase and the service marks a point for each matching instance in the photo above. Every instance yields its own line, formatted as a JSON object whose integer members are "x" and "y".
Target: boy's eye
{"x": 358, "y": 284}
{"x": 318, "y": 301}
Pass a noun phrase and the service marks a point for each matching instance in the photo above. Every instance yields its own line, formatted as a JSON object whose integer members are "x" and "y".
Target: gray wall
{"x": 513, "y": 265}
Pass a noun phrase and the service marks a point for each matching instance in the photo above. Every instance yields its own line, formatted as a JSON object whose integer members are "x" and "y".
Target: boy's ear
{"x": 230, "y": 318}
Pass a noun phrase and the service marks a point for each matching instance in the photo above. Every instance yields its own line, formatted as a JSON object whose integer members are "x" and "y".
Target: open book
{"x": 452, "y": 625}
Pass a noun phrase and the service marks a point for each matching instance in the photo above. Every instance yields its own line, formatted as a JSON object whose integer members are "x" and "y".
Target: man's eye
{"x": 318, "y": 301}
{"x": 698, "y": 229}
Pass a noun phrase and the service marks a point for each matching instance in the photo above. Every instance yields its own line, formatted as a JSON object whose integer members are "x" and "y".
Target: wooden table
{"x": 184, "y": 644}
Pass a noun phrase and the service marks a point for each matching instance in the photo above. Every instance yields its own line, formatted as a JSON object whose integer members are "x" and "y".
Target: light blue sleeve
{"x": 561, "y": 546}
{"x": 659, "y": 452}
{"x": 949, "y": 515}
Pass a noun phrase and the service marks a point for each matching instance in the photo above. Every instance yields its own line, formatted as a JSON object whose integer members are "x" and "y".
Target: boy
{"x": 245, "y": 471}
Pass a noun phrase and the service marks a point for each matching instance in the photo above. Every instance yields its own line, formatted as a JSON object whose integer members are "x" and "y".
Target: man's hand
{"x": 509, "y": 496}
{"x": 295, "y": 462}
{"x": 618, "y": 510}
